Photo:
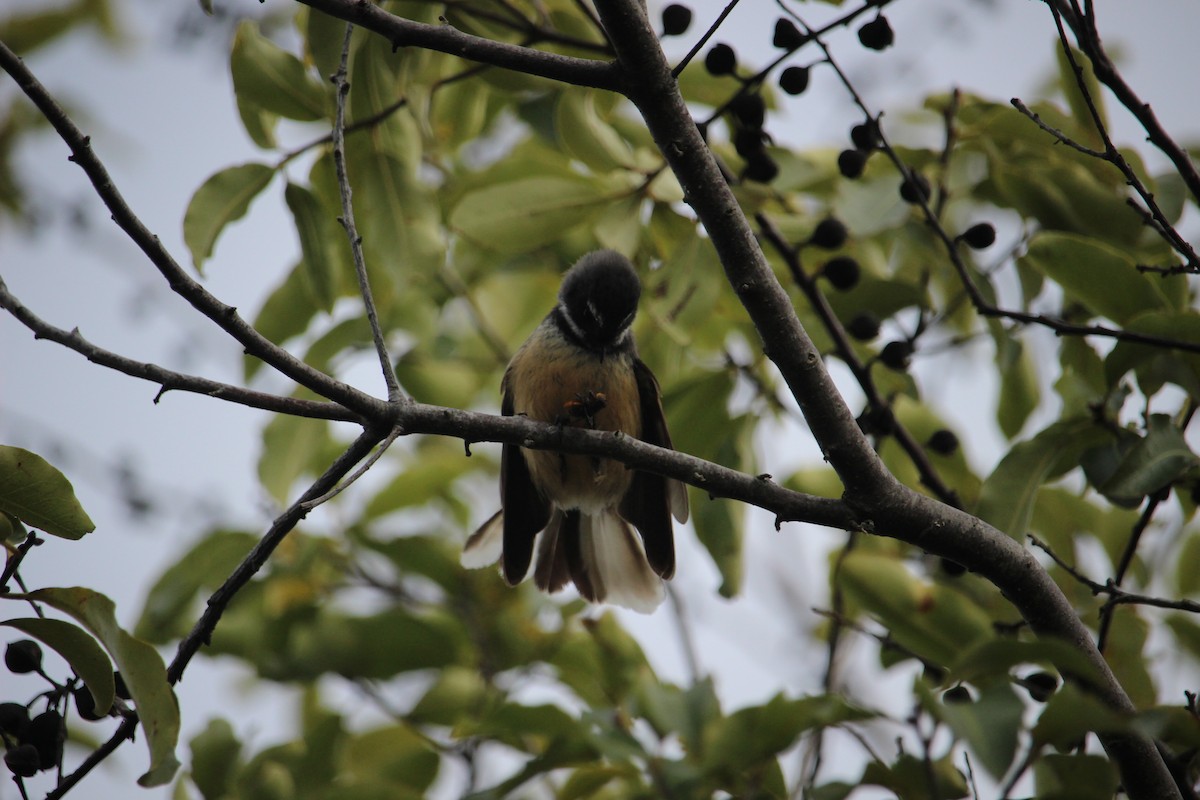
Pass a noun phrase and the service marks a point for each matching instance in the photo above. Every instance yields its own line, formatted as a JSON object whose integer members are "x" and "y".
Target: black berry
{"x": 787, "y": 35}
{"x": 943, "y": 442}
{"x": 749, "y": 109}
{"x": 121, "y": 689}
{"x": 1040, "y": 685}
{"x": 829, "y": 234}
{"x": 23, "y": 655}
{"x": 14, "y": 720}
{"x": 748, "y": 142}
{"x": 721, "y": 60}
{"x": 957, "y": 694}
{"x": 851, "y": 163}
{"x": 895, "y": 355}
{"x": 22, "y": 760}
{"x": 979, "y": 236}
{"x": 85, "y": 704}
{"x": 865, "y": 135}
{"x": 47, "y": 734}
{"x": 761, "y": 167}
{"x": 676, "y": 19}
{"x": 877, "y": 421}
{"x": 864, "y": 326}
{"x": 843, "y": 272}
{"x": 876, "y": 34}
{"x": 915, "y": 188}
{"x": 794, "y": 80}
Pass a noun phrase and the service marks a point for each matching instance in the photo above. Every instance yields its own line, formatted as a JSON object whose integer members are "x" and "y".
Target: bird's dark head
{"x": 598, "y": 300}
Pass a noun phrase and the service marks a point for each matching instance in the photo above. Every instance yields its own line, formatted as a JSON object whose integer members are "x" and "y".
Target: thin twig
{"x": 687, "y": 642}
{"x": 169, "y": 380}
{"x": 725, "y": 12}
{"x": 341, "y": 92}
{"x": 376, "y": 454}
{"x": 1135, "y": 538}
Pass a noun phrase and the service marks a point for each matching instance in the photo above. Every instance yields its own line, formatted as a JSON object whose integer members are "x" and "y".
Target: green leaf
{"x": 140, "y": 666}
{"x": 1070, "y": 714}
{"x": 285, "y": 313}
{"x": 1096, "y": 274}
{"x": 220, "y": 200}
{"x": 367, "y": 646}
{"x": 1019, "y": 385}
{"x": 684, "y": 713}
{"x": 456, "y": 693}
{"x": 36, "y": 493}
{"x": 167, "y": 612}
{"x": 525, "y": 214}
{"x": 318, "y": 235}
{"x": 1081, "y": 108}
{"x": 1181, "y": 367}
{"x": 909, "y": 777}
{"x": 394, "y": 757}
{"x": 216, "y": 755}
{"x": 995, "y": 657}
{"x": 80, "y": 651}
{"x": 991, "y": 725}
{"x": 935, "y": 622}
{"x": 1082, "y": 776}
{"x": 1153, "y": 463}
{"x": 273, "y": 79}
{"x": 587, "y": 137}
{"x": 291, "y": 447}
{"x": 1007, "y": 497}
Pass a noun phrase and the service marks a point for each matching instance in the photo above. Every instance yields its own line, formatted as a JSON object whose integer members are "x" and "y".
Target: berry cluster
{"x": 35, "y": 743}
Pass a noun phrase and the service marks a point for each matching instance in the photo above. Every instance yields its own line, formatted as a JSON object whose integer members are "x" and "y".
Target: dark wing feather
{"x": 525, "y": 510}
{"x": 651, "y": 498}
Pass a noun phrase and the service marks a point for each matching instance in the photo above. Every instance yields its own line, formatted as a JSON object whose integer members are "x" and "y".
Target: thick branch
{"x": 446, "y": 39}
{"x": 223, "y": 315}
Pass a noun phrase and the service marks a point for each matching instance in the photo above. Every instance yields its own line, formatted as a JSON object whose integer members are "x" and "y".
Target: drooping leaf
{"x": 990, "y": 724}
{"x": 216, "y": 753}
{"x": 36, "y": 493}
{"x": 1096, "y": 274}
{"x": 1151, "y": 464}
{"x": 318, "y": 235}
{"x": 220, "y": 200}
{"x": 140, "y": 666}
{"x": 79, "y": 649}
{"x": 272, "y": 78}
{"x": 1075, "y": 776}
{"x": 525, "y": 214}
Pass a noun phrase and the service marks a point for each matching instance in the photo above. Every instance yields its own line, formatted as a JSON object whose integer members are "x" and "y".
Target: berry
{"x": 877, "y": 421}
{"x": 829, "y": 234}
{"x": 121, "y": 689}
{"x": 761, "y": 167}
{"x": 1040, "y": 685}
{"x": 749, "y": 109}
{"x": 22, "y": 760}
{"x": 47, "y": 734}
{"x": 23, "y": 655}
{"x": 748, "y": 142}
{"x": 721, "y": 60}
{"x": 843, "y": 272}
{"x": 86, "y": 704}
{"x": 895, "y": 355}
{"x": 979, "y": 236}
{"x": 794, "y": 80}
{"x": 876, "y": 34}
{"x": 851, "y": 163}
{"x": 865, "y": 135}
{"x": 915, "y": 188}
{"x": 957, "y": 694}
{"x": 14, "y": 720}
{"x": 864, "y": 326}
{"x": 676, "y": 19}
{"x": 943, "y": 442}
{"x": 787, "y": 35}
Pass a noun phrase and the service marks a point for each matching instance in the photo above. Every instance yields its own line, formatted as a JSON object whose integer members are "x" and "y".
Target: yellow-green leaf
{"x": 80, "y": 651}
{"x": 36, "y": 493}
{"x": 220, "y": 200}
{"x": 274, "y": 79}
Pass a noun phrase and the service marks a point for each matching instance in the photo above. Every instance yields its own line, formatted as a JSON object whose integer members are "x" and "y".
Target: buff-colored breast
{"x": 547, "y": 375}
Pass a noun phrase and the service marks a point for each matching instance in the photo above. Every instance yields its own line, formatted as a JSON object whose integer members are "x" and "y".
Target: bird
{"x": 597, "y": 523}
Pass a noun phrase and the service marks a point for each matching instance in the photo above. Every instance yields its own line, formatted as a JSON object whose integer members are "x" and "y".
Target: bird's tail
{"x": 603, "y": 555}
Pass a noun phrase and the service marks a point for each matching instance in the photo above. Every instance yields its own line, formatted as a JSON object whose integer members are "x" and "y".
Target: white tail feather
{"x": 616, "y": 563}
{"x": 485, "y": 546}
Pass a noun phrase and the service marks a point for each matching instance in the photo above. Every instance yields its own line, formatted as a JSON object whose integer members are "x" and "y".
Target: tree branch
{"x": 447, "y": 39}
{"x": 170, "y": 380}
{"x": 225, "y": 316}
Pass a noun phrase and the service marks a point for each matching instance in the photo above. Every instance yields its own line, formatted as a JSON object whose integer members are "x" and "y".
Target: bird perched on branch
{"x": 597, "y": 523}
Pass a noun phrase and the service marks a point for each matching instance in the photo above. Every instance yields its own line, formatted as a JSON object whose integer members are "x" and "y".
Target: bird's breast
{"x": 551, "y": 380}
